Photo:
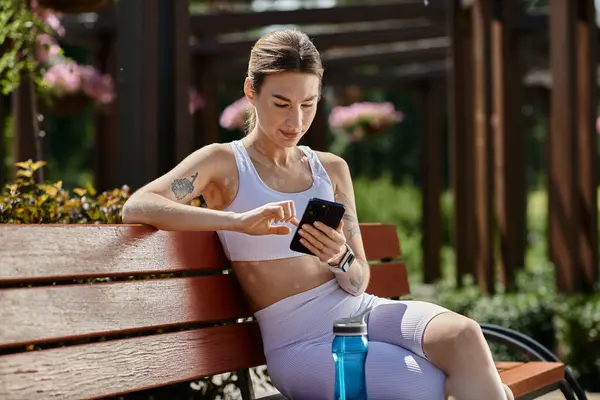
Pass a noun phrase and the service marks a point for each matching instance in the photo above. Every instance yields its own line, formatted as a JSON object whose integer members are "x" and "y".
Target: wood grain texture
{"x": 34, "y": 252}
{"x": 506, "y": 365}
{"x": 121, "y": 366}
{"x": 53, "y": 252}
{"x": 389, "y": 280}
{"x": 41, "y": 314}
{"x": 380, "y": 241}
{"x": 532, "y": 376}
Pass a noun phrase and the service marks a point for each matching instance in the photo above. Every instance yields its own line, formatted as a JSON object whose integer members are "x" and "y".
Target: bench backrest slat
{"x": 84, "y": 330}
{"x": 61, "y": 252}
{"x": 44, "y": 314}
{"x": 115, "y": 367}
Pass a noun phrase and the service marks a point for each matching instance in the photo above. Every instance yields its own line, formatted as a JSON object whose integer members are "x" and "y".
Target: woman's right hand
{"x": 262, "y": 220}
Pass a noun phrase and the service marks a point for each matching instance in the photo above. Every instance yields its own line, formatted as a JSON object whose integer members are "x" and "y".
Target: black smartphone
{"x": 327, "y": 212}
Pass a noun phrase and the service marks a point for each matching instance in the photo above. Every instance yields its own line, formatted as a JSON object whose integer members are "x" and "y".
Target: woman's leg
{"x": 453, "y": 343}
{"x": 456, "y": 345}
{"x": 392, "y": 372}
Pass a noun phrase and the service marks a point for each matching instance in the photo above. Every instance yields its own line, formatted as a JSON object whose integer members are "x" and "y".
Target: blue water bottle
{"x": 350, "y": 347}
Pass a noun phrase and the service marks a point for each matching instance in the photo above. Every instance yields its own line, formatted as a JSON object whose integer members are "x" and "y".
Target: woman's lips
{"x": 290, "y": 135}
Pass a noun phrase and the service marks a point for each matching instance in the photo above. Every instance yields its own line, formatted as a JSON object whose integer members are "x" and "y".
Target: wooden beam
{"x": 483, "y": 145}
{"x": 107, "y": 173}
{"x": 137, "y": 53}
{"x": 206, "y": 120}
{"x": 421, "y": 51}
{"x": 219, "y": 22}
{"x": 4, "y": 114}
{"x": 25, "y": 134}
{"x": 394, "y": 80}
{"x": 562, "y": 172}
{"x": 174, "y": 120}
{"x": 509, "y": 142}
{"x": 433, "y": 98}
{"x": 225, "y": 46}
{"x": 461, "y": 145}
{"x": 587, "y": 168}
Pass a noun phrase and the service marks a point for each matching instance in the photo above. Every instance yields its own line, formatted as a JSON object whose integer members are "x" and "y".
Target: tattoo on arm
{"x": 350, "y": 221}
{"x": 358, "y": 280}
{"x": 352, "y": 227}
{"x": 183, "y": 187}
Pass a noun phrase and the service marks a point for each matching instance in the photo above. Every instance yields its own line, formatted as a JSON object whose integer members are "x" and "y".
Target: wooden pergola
{"x": 461, "y": 53}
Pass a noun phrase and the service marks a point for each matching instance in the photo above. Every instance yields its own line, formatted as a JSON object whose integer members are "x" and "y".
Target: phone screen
{"x": 324, "y": 211}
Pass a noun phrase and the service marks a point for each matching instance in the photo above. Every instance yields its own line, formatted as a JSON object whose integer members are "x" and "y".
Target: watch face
{"x": 345, "y": 265}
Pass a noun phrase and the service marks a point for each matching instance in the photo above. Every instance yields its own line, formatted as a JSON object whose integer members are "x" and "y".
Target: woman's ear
{"x": 248, "y": 90}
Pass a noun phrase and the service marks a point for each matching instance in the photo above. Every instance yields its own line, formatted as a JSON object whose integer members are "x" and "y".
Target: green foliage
{"x": 19, "y": 29}
{"x": 27, "y": 202}
{"x": 578, "y": 332}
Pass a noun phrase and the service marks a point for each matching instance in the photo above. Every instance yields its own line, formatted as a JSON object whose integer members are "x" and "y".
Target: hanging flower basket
{"x": 75, "y": 6}
{"x": 74, "y": 87}
{"x": 70, "y": 104}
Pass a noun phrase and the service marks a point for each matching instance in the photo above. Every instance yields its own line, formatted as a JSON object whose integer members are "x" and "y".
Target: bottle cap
{"x": 352, "y": 326}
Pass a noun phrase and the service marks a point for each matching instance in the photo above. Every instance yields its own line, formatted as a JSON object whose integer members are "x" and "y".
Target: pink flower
{"x": 51, "y": 19}
{"x": 63, "y": 78}
{"x": 48, "y": 49}
{"x": 68, "y": 78}
{"x": 369, "y": 115}
{"x": 196, "y": 101}
{"x": 96, "y": 85}
{"x": 234, "y": 115}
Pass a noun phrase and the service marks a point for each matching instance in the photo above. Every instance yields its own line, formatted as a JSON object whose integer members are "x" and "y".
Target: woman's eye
{"x": 307, "y": 105}
{"x": 280, "y": 105}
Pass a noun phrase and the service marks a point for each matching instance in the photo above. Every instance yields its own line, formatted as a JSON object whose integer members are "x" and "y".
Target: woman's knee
{"x": 451, "y": 337}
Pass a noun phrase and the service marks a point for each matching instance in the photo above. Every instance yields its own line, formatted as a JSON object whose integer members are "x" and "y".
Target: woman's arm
{"x": 164, "y": 202}
{"x": 356, "y": 279}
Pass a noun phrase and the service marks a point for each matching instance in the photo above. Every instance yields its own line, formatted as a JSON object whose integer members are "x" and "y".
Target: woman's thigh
{"x": 392, "y": 372}
{"x": 402, "y": 323}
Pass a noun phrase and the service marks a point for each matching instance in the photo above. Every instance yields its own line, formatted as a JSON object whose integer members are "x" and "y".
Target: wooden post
{"x": 4, "y": 113}
{"x": 24, "y": 126}
{"x": 461, "y": 145}
{"x": 174, "y": 120}
{"x": 586, "y": 37}
{"x": 137, "y": 91}
{"x": 484, "y": 250}
{"x": 107, "y": 171}
{"x": 207, "y": 119}
{"x": 509, "y": 143}
{"x": 431, "y": 157}
{"x": 563, "y": 179}
{"x": 316, "y": 137}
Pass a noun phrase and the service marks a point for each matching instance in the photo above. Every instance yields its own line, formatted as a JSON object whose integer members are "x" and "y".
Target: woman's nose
{"x": 295, "y": 119}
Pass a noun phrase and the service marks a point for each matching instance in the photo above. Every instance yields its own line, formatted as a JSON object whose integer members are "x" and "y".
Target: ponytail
{"x": 250, "y": 119}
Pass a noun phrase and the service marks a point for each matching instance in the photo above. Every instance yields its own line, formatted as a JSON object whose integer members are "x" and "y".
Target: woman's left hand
{"x": 326, "y": 243}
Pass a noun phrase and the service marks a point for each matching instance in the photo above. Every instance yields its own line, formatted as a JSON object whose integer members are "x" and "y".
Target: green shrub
{"x": 27, "y": 202}
{"x": 578, "y": 332}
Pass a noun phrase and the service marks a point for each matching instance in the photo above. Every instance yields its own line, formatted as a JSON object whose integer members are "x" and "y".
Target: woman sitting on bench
{"x": 255, "y": 188}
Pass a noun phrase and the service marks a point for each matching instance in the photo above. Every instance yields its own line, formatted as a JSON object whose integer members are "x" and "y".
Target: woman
{"x": 256, "y": 189}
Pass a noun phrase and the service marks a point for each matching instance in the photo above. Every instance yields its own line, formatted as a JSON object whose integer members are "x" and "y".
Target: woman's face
{"x": 285, "y": 105}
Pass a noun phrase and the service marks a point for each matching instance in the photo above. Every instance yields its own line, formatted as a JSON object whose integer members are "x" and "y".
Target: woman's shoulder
{"x": 336, "y": 166}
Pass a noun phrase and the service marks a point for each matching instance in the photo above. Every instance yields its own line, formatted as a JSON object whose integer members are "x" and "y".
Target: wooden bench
{"x": 68, "y": 332}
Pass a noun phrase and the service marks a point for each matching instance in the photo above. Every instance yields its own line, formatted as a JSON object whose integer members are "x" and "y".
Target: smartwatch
{"x": 346, "y": 261}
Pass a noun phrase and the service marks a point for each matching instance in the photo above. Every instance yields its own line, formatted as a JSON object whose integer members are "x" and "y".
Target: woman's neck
{"x": 279, "y": 155}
